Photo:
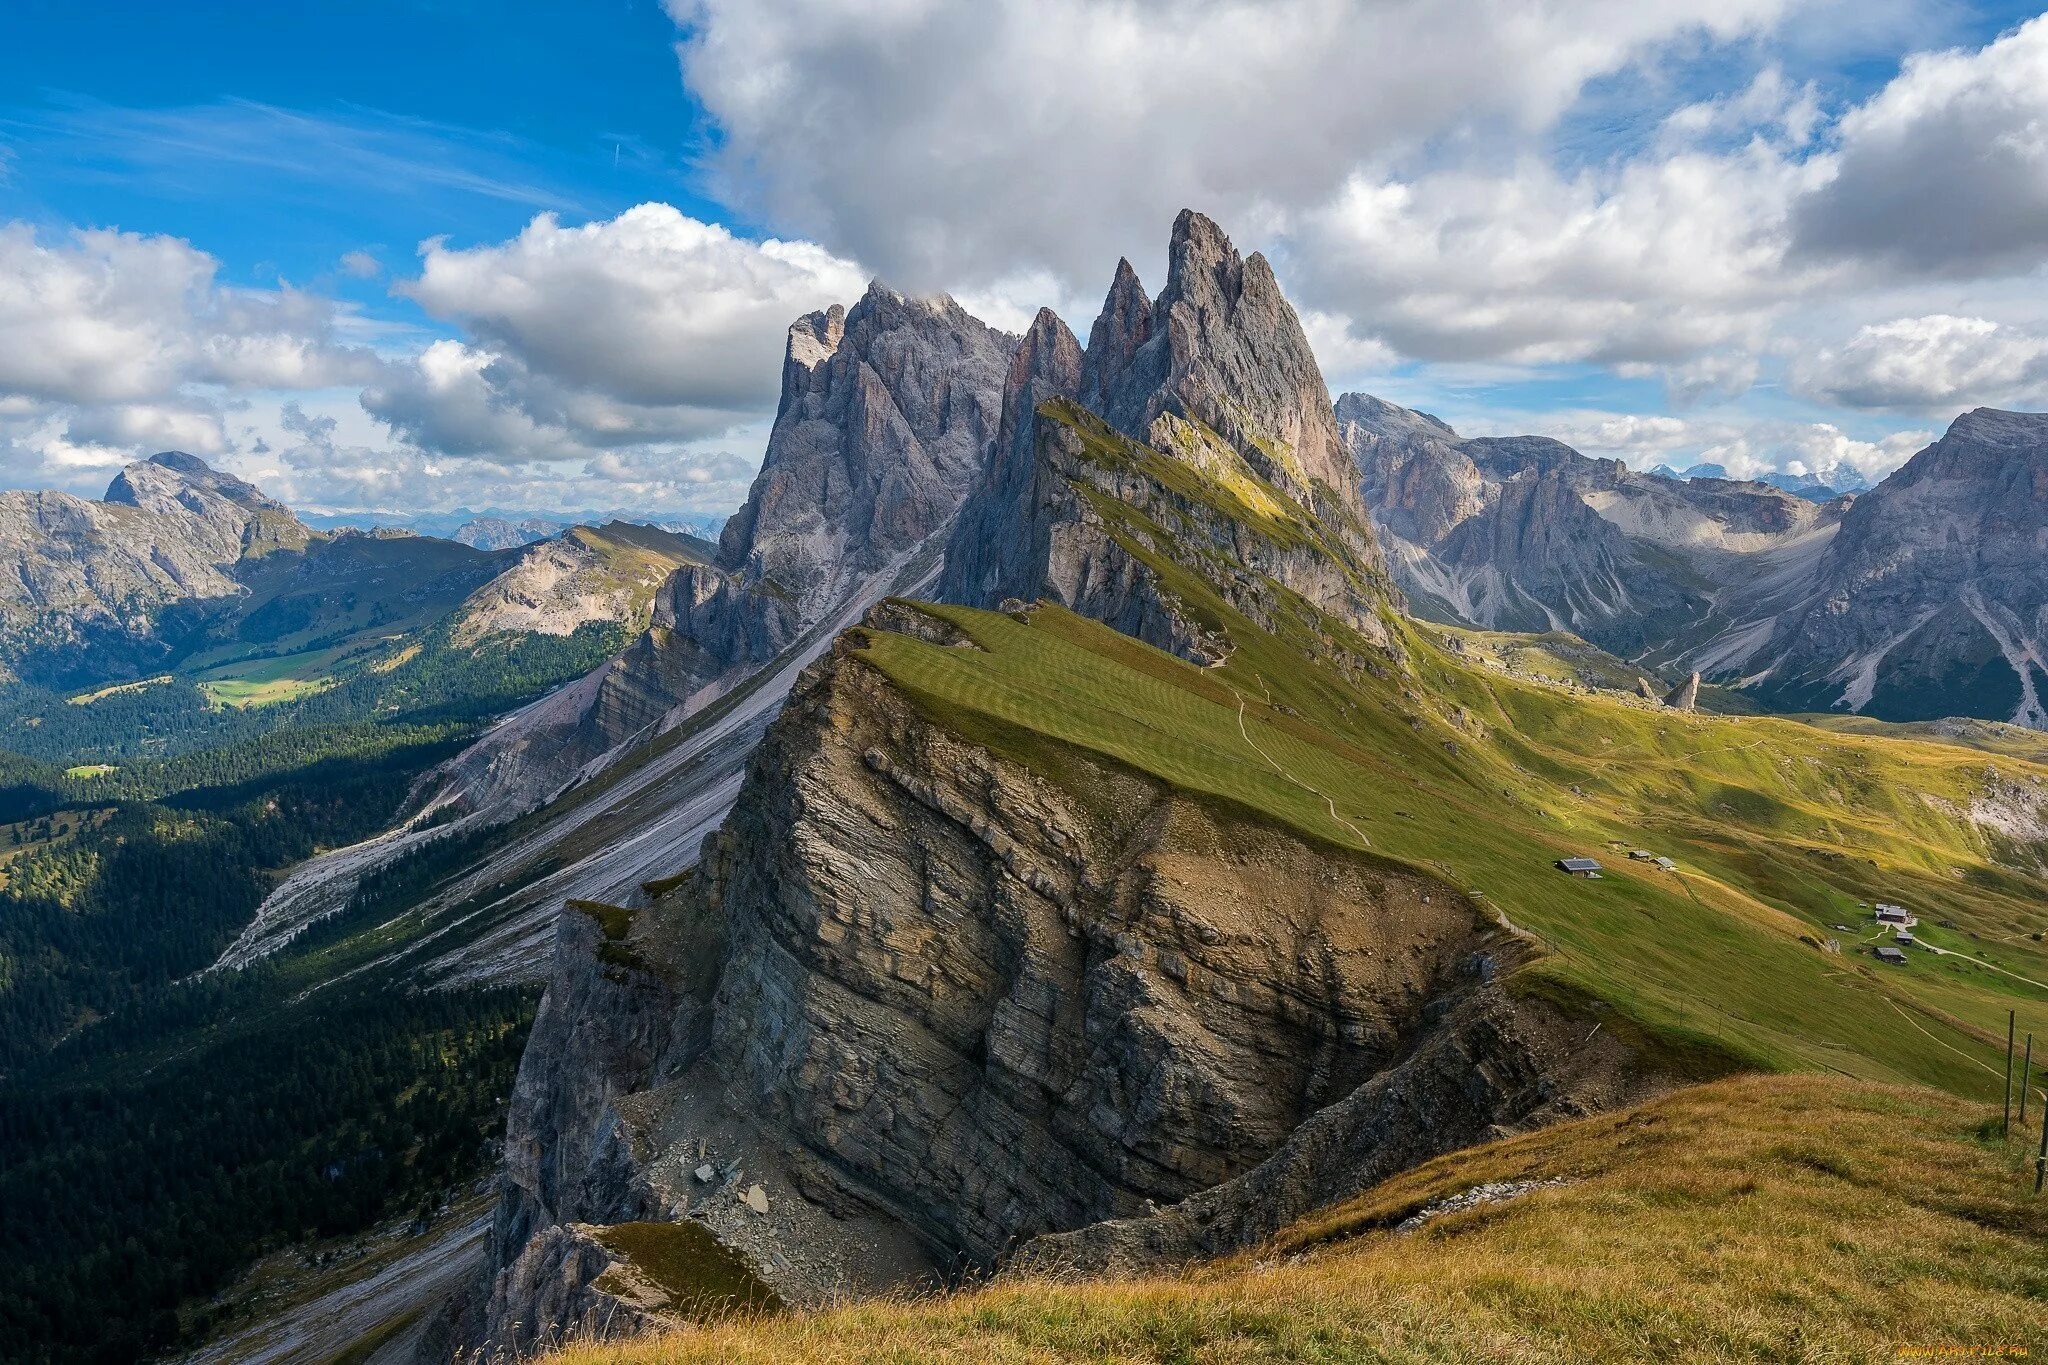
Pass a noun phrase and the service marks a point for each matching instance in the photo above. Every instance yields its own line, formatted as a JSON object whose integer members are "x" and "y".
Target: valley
{"x": 1088, "y": 846}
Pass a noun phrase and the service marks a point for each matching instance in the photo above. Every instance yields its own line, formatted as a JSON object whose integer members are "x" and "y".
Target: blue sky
{"x": 383, "y": 254}
{"x": 280, "y": 137}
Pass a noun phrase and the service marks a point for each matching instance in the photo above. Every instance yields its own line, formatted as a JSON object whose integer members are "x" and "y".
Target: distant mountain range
{"x": 1824, "y": 486}
{"x": 1922, "y": 597}
{"x": 181, "y": 566}
{"x": 504, "y": 528}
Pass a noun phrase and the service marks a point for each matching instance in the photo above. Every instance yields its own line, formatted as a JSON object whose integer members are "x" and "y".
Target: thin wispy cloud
{"x": 208, "y": 148}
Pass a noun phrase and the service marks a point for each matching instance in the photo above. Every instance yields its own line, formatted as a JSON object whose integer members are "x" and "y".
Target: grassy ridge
{"x": 1483, "y": 780}
{"x": 1780, "y": 1218}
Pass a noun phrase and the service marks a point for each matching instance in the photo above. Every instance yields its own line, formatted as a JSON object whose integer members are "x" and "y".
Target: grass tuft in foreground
{"x": 1782, "y": 1218}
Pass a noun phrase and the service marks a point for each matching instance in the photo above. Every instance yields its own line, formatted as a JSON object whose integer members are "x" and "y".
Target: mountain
{"x": 190, "y": 571}
{"x": 1824, "y": 487}
{"x": 884, "y": 421}
{"x": 1913, "y": 600}
{"x": 1193, "y": 888}
{"x": 95, "y": 589}
{"x": 1195, "y": 430}
{"x": 496, "y": 533}
{"x": 488, "y": 528}
{"x": 1155, "y": 889}
{"x": 1932, "y": 598}
{"x": 587, "y": 574}
{"x": 1524, "y": 533}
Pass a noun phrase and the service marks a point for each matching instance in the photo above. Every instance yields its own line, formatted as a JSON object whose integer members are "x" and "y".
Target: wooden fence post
{"x": 2005, "y": 1130}
{"x": 2026, "y": 1078}
{"x": 2041, "y": 1157}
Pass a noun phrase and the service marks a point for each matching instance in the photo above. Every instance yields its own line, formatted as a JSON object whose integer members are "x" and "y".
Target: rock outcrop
{"x": 918, "y": 985}
{"x": 885, "y": 421}
{"x": 90, "y": 590}
{"x": 1524, "y": 533}
{"x": 1932, "y": 599}
{"x": 1685, "y": 696}
{"x": 1193, "y": 434}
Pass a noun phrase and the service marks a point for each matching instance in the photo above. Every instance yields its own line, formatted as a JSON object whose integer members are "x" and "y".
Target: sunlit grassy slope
{"x": 1779, "y": 829}
{"x": 1825, "y": 1212}
{"x": 1762, "y": 1219}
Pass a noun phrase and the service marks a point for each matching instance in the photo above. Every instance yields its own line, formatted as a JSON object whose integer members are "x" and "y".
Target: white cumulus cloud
{"x": 652, "y": 307}
{"x": 1931, "y": 363}
{"x": 953, "y": 144}
{"x": 1945, "y": 170}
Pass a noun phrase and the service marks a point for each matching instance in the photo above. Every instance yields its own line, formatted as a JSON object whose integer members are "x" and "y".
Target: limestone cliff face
{"x": 885, "y": 421}
{"x": 1193, "y": 434}
{"x": 886, "y": 416}
{"x": 1933, "y": 598}
{"x": 1525, "y": 533}
{"x": 100, "y": 589}
{"x": 916, "y": 985}
{"x": 1222, "y": 349}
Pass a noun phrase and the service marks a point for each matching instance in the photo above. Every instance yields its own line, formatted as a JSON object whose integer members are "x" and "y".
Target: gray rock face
{"x": 1923, "y": 597}
{"x": 1000, "y": 541}
{"x": 1685, "y": 696}
{"x": 1223, "y": 348}
{"x": 885, "y": 421}
{"x": 1194, "y": 431}
{"x": 956, "y": 1001}
{"x": 99, "y": 589}
{"x": 1932, "y": 599}
{"x": 1489, "y": 1062}
{"x": 884, "y": 424}
{"x": 1524, "y": 533}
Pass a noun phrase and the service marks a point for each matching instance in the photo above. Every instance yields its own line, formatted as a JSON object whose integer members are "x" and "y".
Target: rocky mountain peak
{"x": 1049, "y": 363}
{"x": 1214, "y": 375}
{"x": 1223, "y": 348}
{"x": 998, "y": 543}
{"x": 812, "y": 340}
{"x": 170, "y": 476}
{"x": 886, "y": 412}
{"x": 1986, "y": 444}
{"x": 1377, "y": 417}
{"x": 85, "y": 586}
{"x": 1120, "y": 329}
{"x": 1927, "y": 602}
{"x": 182, "y": 462}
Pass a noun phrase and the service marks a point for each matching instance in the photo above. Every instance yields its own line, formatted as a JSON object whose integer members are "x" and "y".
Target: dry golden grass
{"x": 1787, "y": 1218}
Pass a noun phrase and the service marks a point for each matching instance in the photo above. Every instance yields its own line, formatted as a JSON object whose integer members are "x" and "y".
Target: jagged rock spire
{"x": 1120, "y": 329}
{"x": 1215, "y": 373}
{"x": 886, "y": 413}
{"x": 997, "y": 544}
{"x": 1224, "y": 348}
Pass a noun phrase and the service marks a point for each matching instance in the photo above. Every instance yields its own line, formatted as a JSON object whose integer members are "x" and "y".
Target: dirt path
{"x": 1244, "y": 730}
{"x": 1980, "y": 962}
